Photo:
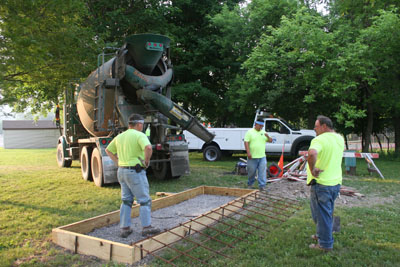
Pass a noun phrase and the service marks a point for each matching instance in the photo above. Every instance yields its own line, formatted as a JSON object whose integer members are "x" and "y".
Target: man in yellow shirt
{"x": 254, "y": 142}
{"x": 131, "y": 152}
{"x": 324, "y": 174}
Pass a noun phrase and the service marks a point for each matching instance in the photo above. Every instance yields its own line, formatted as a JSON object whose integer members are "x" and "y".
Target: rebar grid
{"x": 253, "y": 211}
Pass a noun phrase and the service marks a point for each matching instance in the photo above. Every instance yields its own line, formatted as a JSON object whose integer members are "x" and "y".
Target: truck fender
{"x": 63, "y": 157}
{"x": 298, "y": 141}
{"x": 63, "y": 140}
{"x": 212, "y": 143}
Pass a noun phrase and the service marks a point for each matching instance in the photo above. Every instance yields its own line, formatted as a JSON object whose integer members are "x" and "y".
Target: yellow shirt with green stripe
{"x": 330, "y": 147}
{"x": 129, "y": 146}
{"x": 256, "y": 140}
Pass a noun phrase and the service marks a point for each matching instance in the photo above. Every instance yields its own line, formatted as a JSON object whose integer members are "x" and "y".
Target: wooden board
{"x": 72, "y": 236}
{"x": 93, "y": 246}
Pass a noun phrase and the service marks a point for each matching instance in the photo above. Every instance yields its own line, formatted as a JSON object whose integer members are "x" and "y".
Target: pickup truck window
{"x": 276, "y": 127}
{"x": 290, "y": 125}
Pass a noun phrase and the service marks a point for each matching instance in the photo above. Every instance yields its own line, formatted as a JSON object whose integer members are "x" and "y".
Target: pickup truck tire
{"x": 211, "y": 153}
{"x": 86, "y": 155}
{"x": 302, "y": 147}
{"x": 61, "y": 161}
{"x": 97, "y": 168}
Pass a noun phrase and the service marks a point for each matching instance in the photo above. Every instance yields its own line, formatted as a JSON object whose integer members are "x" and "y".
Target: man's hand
{"x": 315, "y": 172}
{"x": 246, "y": 145}
{"x": 311, "y": 160}
{"x": 269, "y": 138}
{"x": 112, "y": 156}
{"x": 148, "y": 151}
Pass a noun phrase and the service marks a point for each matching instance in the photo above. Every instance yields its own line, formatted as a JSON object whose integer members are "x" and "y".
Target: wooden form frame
{"x": 73, "y": 236}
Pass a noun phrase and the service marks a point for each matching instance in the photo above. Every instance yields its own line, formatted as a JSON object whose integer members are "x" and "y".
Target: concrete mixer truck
{"x": 137, "y": 79}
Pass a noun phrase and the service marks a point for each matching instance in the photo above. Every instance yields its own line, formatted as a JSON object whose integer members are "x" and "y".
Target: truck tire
{"x": 211, "y": 153}
{"x": 86, "y": 154}
{"x": 161, "y": 170}
{"x": 97, "y": 168}
{"x": 61, "y": 161}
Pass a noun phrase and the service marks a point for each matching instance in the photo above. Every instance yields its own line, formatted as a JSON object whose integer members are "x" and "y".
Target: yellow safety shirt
{"x": 256, "y": 140}
{"x": 330, "y": 147}
{"x": 129, "y": 146}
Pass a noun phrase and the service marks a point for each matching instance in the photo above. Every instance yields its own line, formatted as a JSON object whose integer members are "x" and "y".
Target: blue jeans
{"x": 134, "y": 184}
{"x": 260, "y": 165}
{"x": 322, "y": 203}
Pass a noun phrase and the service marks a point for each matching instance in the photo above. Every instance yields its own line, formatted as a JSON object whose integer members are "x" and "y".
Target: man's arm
{"x": 269, "y": 138}
{"x": 112, "y": 156}
{"x": 311, "y": 160}
{"x": 148, "y": 151}
{"x": 246, "y": 145}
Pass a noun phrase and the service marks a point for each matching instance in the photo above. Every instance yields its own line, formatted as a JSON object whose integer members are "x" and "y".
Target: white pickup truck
{"x": 231, "y": 140}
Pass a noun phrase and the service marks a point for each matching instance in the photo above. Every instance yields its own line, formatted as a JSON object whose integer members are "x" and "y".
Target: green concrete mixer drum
{"x": 136, "y": 80}
{"x": 147, "y": 53}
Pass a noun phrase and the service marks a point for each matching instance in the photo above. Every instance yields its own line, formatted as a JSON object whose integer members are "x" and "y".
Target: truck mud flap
{"x": 179, "y": 163}
{"x": 109, "y": 170}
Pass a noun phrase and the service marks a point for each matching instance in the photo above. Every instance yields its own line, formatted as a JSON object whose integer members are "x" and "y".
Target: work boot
{"x": 264, "y": 189}
{"x": 125, "y": 232}
{"x": 318, "y": 247}
{"x": 150, "y": 230}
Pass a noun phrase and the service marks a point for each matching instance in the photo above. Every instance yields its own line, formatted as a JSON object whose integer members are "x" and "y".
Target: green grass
{"x": 37, "y": 196}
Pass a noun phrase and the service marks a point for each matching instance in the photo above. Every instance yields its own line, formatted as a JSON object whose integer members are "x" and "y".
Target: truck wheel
{"x": 161, "y": 170}
{"x": 61, "y": 161}
{"x": 302, "y": 147}
{"x": 97, "y": 168}
{"x": 211, "y": 153}
{"x": 85, "y": 163}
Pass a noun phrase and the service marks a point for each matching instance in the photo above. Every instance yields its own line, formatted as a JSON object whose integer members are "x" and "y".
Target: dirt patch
{"x": 299, "y": 190}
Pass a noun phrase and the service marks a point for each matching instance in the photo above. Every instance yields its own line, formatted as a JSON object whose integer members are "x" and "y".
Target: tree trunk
{"x": 346, "y": 142}
{"x": 396, "y": 124}
{"x": 311, "y": 120}
{"x": 387, "y": 140}
{"x": 370, "y": 122}
{"x": 379, "y": 141}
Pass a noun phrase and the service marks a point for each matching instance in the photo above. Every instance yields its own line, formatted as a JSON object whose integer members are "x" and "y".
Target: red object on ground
{"x": 280, "y": 164}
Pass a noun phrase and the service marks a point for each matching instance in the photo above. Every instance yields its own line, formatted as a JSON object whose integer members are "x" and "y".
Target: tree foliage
{"x": 289, "y": 68}
{"x": 230, "y": 57}
{"x": 43, "y": 46}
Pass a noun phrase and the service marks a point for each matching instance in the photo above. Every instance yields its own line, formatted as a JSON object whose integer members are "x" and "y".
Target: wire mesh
{"x": 212, "y": 233}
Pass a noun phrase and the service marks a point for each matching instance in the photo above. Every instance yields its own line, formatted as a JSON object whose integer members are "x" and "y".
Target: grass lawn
{"x": 37, "y": 196}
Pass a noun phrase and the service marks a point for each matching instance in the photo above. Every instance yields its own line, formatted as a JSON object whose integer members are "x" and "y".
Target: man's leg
{"x": 262, "y": 172}
{"x": 313, "y": 204}
{"x": 127, "y": 199}
{"x": 140, "y": 188}
{"x": 326, "y": 196}
{"x": 251, "y": 171}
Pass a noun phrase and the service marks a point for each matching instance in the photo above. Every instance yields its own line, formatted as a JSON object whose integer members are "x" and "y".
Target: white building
{"x": 30, "y": 134}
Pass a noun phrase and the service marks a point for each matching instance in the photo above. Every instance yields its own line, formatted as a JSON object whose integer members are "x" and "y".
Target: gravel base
{"x": 165, "y": 218}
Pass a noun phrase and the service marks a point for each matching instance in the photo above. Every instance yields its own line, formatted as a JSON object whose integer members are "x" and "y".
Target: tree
{"x": 289, "y": 69}
{"x": 43, "y": 46}
{"x": 198, "y": 64}
{"x": 382, "y": 39}
{"x": 114, "y": 20}
{"x": 366, "y": 64}
{"x": 241, "y": 29}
